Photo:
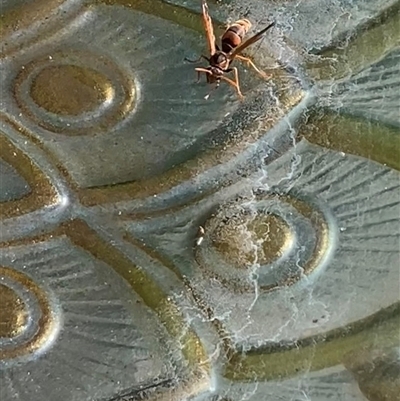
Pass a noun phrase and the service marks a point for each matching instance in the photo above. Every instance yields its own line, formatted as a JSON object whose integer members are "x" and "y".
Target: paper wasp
{"x": 231, "y": 46}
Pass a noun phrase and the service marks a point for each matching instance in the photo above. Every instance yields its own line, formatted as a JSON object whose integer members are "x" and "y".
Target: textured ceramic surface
{"x": 156, "y": 244}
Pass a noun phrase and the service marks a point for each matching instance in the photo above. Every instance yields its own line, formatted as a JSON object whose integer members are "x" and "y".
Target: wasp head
{"x": 214, "y": 75}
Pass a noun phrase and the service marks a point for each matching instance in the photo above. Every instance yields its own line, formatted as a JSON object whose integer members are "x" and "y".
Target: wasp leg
{"x": 198, "y": 60}
{"x": 200, "y": 70}
{"x": 249, "y": 62}
{"x": 234, "y": 83}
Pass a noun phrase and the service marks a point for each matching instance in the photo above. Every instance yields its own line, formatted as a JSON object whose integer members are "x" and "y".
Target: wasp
{"x": 232, "y": 45}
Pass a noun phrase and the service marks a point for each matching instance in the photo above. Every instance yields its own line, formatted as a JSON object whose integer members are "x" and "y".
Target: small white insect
{"x": 200, "y": 236}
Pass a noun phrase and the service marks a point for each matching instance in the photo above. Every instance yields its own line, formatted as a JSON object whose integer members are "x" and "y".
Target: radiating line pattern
{"x": 372, "y": 93}
{"x": 98, "y": 95}
{"x": 102, "y": 342}
{"x": 361, "y": 202}
{"x": 328, "y": 384}
{"x": 356, "y": 266}
{"x": 157, "y": 130}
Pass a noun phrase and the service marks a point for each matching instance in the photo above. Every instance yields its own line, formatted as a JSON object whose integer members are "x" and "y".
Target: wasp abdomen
{"x": 234, "y": 35}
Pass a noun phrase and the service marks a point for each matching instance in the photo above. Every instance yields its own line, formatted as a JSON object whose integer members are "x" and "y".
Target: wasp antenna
{"x": 197, "y": 60}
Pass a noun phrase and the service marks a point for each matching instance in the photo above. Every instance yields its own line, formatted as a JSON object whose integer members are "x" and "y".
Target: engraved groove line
{"x": 325, "y": 189}
{"x": 361, "y": 197}
{"x": 359, "y": 235}
{"x": 71, "y": 277}
{"x": 343, "y": 194}
{"x": 115, "y": 344}
{"x": 371, "y": 224}
{"x": 365, "y": 213}
{"x": 117, "y": 364}
{"x": 90, "y": 302}
{"x": 96, "y": 320}
{"x": 369, "y": 249}
{"x": 321, "y": 172}
{"x": 94, "y": 288}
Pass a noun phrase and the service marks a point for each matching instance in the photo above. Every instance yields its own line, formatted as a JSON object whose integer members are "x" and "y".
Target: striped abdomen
{"x": 234, "y": 35}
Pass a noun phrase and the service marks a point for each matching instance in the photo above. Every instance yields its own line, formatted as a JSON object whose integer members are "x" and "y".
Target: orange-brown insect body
{"x": 234, "y": 35}
{"x": 231, "y": 46}
{"x": 232, "y": 38}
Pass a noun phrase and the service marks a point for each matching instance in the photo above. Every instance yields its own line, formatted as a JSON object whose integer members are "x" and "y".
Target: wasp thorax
{"x": 220, "y": 60}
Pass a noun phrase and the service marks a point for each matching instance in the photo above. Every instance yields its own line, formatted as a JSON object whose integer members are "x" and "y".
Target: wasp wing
{"x": 207, "y": 22}
{"x": 249, "y": 42}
